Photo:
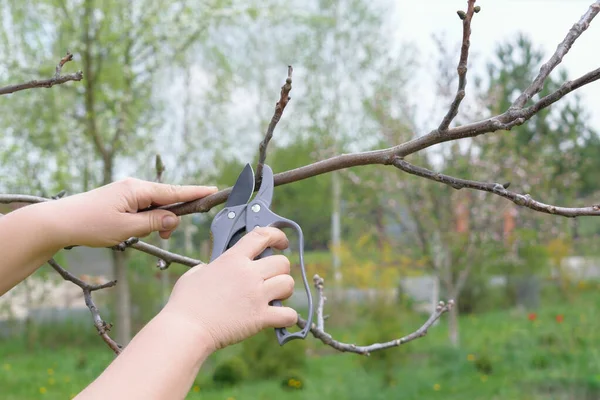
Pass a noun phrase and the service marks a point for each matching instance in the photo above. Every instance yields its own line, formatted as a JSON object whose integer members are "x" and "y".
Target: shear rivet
{"x": 256, "y": 208}
{"x": 231, "y": 215}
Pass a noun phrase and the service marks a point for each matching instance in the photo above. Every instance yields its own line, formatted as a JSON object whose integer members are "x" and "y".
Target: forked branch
{"x": 101, "y": 326}
{"x": 57, "y": 79}
{"x": 318, "y": 331}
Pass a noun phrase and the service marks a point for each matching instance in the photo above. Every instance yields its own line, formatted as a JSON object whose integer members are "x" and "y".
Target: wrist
{"x": 187, "y": 330}
{"x": 49, "y": 218}
{"x": 51, "y": 215}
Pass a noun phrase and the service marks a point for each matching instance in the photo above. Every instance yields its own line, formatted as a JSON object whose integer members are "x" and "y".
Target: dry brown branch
{"x": 462, "y": 67}
{"x": 166, "y": 256}
{"x": 57, "y": 79}
{"x": 498, "y": 189}
{"x": 561, "y": 50}
{"x": 326, "y": 338}
{"x": 319, "y": 285}
{"x": 101, "y": 326}
{"x": 279, "y": 107}
{"x": 503, "y": 122}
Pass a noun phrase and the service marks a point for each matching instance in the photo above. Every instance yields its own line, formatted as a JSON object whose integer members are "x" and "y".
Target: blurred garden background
{"x": 196, "y": 82}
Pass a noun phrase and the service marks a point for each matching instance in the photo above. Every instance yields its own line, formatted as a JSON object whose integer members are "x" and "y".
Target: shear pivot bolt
{"x": 231, "y": 215}
{"x": 256, "y": 208}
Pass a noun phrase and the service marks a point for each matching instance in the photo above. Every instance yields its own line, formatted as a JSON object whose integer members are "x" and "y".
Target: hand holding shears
{"x": 241, "y": 215}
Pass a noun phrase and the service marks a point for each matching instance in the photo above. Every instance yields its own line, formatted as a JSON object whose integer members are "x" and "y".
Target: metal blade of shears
{"x": 265, "y": 192}
{"x": 243, "y": 188}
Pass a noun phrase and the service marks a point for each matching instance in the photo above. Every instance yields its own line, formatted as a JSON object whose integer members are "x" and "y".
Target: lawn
{"x": 549, "y": 353}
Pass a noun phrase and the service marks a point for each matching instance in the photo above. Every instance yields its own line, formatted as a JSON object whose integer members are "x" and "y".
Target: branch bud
{"x": 461, "y": 14}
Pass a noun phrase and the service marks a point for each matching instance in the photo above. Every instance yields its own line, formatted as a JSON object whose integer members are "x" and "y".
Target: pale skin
{"x": 211, "y": 306}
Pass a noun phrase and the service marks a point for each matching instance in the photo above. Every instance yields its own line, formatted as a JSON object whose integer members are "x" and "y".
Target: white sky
{"x": 546, "y": 22}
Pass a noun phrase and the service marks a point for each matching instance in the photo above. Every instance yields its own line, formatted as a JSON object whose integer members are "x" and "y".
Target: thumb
{"x": 143, "y": 223}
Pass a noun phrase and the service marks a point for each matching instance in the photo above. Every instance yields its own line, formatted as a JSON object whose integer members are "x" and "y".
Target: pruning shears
{"x": 242, "y": 215}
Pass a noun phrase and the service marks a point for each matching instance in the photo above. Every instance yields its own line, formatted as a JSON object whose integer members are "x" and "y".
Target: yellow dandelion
{"x": 471, "y": 357}
{"x": 291, "y": 382}
{"x": 73, "y": 395}
{"x": 437, "y": 387}
{"x": 484, "y": 378}
{"x": 43, "y": 390}
{"x": 231, "y": 398}
{"x": 196, "y": 388}
{"x": 67, "y": 379}
{"x": 50, "y": 371}
{"x": 51, "y": 381}
{"x": 6, "y": 367}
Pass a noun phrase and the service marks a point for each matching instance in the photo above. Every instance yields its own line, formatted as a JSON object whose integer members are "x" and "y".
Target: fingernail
{"x": 169, "y": 222}
{"x": 212, "y": 188}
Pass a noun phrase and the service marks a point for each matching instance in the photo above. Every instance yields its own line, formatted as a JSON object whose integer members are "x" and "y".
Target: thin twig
{"x": 57, "y": 79}
{"x": 279, "y": 107}
{"x": 498, "y": 189}
{"x": 561, "y": 50}
{"x": 162, "y": 254}
{"x": 462, "y": 67}
{"x": 101, "y": 326}
{"x": 319, "y": 285}
{"x": 319, "y": 332}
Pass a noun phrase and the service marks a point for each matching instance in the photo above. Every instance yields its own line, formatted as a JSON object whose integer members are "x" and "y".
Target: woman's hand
{"x": 228, "y": 299}
{"x": 108, "y": 215}
{"x": 211, "y": 306}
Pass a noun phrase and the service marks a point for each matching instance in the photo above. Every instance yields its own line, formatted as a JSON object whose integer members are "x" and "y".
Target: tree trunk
{"x": 453, "y": 326}
{"x": 123, "y": 306}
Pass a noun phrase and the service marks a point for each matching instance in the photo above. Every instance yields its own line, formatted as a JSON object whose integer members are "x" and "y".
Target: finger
{"x": 280, "y": 317}
{"x": 144, "y": 223}
{"x": 150, "y": 193}
{"x": 257, "y": 240}
{"x": 165, "y": 234}
{"x": 279, "y": 287}
{"x": 271, "y": 266}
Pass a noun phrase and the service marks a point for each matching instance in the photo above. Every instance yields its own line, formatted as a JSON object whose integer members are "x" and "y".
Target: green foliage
{"x": 231, "y": 371}
{"x": 268, "y": 359}
{"x": 516, "y": 347}
{"x": 293, "y": 380}
{"x": 483, "y": 364}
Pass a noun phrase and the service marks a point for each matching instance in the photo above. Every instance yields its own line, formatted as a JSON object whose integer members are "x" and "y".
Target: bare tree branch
{"x": 279, "y": 107}
{"x": 101, "y": 326}
{"x": 57, "y": 79}
{"x": 319, "y": 285}
{"x": 462, "y": 67}
{"x": 368, "y": 349}
{"x": 167, "y": 256}
{"x": 505, "y": 121}
{"x": 498, "y": 189}
{"x": 561, "y": 50}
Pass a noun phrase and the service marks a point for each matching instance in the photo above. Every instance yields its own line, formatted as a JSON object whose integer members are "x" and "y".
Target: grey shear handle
{"x": 262, "y": 216}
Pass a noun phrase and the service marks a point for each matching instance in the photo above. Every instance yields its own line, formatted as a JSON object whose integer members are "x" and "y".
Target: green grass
{"x": 503, "y": 355}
